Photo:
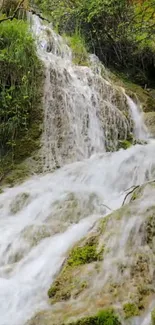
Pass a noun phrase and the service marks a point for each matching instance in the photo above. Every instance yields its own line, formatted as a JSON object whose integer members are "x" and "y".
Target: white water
{"x": 140, "y": 129}
{"x": 68, "y": 201}
{"x": 41, "y": 219}
{"x": 84, "y": 112}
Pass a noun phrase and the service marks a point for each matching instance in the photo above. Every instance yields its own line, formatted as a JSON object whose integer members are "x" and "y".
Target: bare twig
{"x": 134, "y": 187}
{"x": 14, "y": 14}
{"x": 130, "y": 193}
{"x": 106, "y": 207}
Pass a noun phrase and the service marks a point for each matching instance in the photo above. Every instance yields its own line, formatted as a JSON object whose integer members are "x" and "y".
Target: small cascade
{"x": 140, "y": 130}
{"x": 84, "y": 112}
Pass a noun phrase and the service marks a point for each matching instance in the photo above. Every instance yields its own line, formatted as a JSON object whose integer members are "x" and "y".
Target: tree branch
{"x": 130, "y": 193}
{"x": 14, "y": 14}
{"x": 106, "y": 207}
{"x": 134, "y": 188}
{"x": 39, "y": 15}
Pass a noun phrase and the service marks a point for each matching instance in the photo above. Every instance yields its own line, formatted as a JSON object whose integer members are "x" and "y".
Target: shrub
{"x": 20, "y": 93}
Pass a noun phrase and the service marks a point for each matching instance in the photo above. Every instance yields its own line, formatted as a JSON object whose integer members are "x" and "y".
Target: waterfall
{"x": 84, "y": 112}
{"x": 140, "y": 129}
{"x": 42, "y": 218}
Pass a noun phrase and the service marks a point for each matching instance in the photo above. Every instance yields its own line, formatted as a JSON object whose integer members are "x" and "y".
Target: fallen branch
{"x": 130, "y": 193}
{"x": 134, "y": 187}
{"x": 106, "y": 207}
{"x": 14, "y": 14}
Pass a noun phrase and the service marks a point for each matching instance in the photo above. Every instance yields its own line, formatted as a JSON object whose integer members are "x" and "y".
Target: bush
{"x": 121, "y": 33}
{"x": 20, "y": 91}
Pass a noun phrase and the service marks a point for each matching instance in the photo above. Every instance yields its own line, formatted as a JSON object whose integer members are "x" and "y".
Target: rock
{"x": 149, "y": 119}
{"x": 120, "y": 274}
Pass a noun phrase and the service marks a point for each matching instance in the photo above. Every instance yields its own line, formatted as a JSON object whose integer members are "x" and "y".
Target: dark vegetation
{"x": 120, "y": 32}
{"x": 20, "y": 91}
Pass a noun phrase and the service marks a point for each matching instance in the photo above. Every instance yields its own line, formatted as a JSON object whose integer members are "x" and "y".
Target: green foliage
{"x": 78, "y": 46}
{"x": 153, "y": 317}
{"x": 121, "y": 33}
{"x": 124, "y": 144}
{"x": 130, "y": 310}
{"x": 104, "y": 317}
{"x": 20, "y": 93}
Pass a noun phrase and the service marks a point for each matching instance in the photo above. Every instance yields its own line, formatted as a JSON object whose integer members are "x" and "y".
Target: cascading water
{"x": 140, "y": 129}
{"x": 41, "y": 219}
{"x": 84, "y": 113}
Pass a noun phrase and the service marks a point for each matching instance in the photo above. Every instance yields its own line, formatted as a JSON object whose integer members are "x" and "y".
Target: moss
{"x": 150, "y": 229}
{"x": 124, "y": 144}
{"x": 17, "y": 175}
{"x": 130, "y": 310}
{"x": 20, "y": 201}
{"x": 84, "y": 254}
{"x": 69, "y": 282}
{"x": 103, "y": 317}
{"x": 153, "y": 317}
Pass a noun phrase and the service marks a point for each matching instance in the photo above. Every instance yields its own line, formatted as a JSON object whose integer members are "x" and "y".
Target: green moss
{"x": 150, "y": 229}
{"x": 104, "y": 317}
{"x": 130, "y": 310}
{"x": 134, "y": 196}
{"x": 84, "y": 254}
{"x": 69, "y": 283}
{"x": 16, "y": 175}
{"x": 103, "y": 224}
{"x": 124, "y": 144}
{"x": 153, "y": 317}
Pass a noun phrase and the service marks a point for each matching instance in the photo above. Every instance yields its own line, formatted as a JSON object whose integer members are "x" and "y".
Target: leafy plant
{"x": 20, "y": 95}
{"x": 121, "y": 33}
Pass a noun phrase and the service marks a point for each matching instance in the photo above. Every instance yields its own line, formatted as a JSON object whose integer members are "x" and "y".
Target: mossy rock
{"x": 153, "y": 317}
{"x": 135, "y": 91}
{"x": 130, "y": 310}
{"x": 19, "y": 202}
{"x": 84, "y": 254}
{"x": 104, "y": 317}
{"x": 18, "y": 174}
{"x": 149, "y": 119}
{"x": 150, "y": 229}
{"x": 69, "y": 283}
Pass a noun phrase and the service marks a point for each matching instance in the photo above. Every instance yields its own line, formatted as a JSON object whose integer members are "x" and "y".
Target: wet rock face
{"x": 84, "y": 114}
{"x": 113, "y": 265}
{"x": 149, "y": 119}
